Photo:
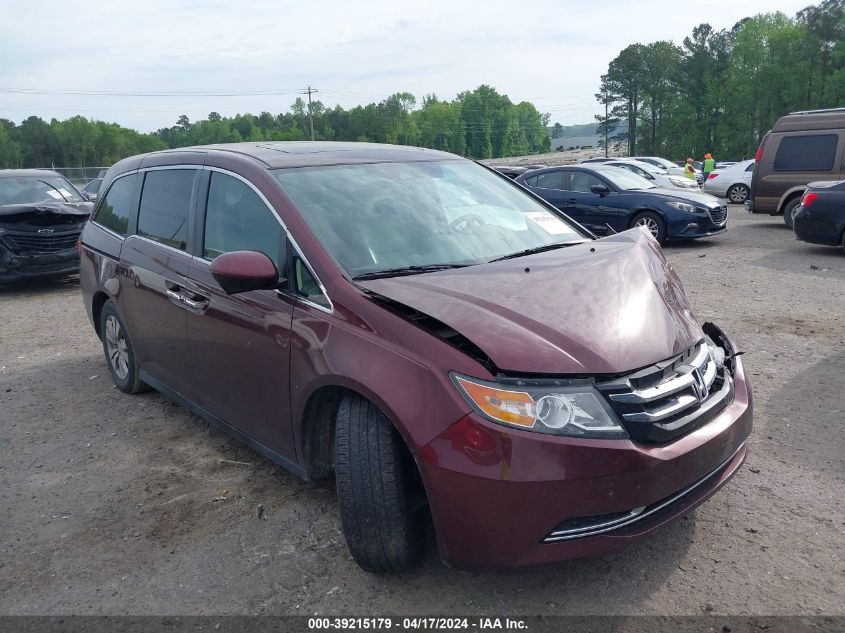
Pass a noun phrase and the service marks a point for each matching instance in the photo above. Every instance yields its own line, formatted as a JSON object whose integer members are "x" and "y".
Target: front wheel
{"x": 789, "y": 210}
{"x": 377, "y": 489}
{"x": 738, "y": 194}
{"x": 653, "y": 223}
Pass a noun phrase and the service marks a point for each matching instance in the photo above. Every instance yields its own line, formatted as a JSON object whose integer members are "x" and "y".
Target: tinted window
{"x": 117, "y": 205}
{"x": 582, "y": 181}
{"x": 552, "y": 180}
{"x": 165, "y": 205}
{"x": 806, "y": 153}
{"x": 750, "y": 167}
{"x": 236, "y": 219}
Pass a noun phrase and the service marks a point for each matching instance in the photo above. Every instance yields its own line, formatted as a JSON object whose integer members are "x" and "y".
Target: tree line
{"x": 722, "y": 90}
{"x": 478, "y": 124}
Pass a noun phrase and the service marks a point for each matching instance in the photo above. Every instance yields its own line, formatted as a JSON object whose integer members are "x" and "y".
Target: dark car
{"x": 436, "y": 337}
{"x": 801, "y": 147}
{"x": 41, "y": 217}
{"x": 605, "y": 198}
{"x": 820, "y": 217}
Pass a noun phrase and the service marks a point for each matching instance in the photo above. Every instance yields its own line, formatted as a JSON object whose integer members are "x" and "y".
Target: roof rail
{"x": 824, "y": 111}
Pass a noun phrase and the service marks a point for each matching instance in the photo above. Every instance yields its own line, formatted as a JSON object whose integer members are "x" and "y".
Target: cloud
{"x": 548, "y": 52}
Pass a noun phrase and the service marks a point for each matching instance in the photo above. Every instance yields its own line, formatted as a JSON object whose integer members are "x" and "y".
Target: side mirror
{"x": 242, "y": 271}
{"x": 602, "y": 190}
{"x": 90, "y": 197}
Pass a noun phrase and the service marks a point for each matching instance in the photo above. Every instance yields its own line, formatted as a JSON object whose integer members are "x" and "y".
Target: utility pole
{"x": 309, "y": 91}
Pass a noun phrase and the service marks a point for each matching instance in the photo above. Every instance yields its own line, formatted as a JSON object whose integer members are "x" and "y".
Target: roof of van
{"x": 306, "y": 153}
{"x": 833, "y": 118}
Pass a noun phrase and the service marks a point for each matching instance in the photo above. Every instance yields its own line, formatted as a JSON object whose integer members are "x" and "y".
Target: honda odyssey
{"x": 437, "y": 338}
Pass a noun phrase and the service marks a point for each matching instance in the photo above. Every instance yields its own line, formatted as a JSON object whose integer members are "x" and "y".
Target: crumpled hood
{"x": 61, "y": 208}
{"x": 603, "y": 307}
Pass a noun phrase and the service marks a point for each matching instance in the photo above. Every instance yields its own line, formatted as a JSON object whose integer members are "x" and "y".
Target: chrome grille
{"x": 672, "y": 398}
{"x": 40, "y": 243}
{"x": 719, "y": 215}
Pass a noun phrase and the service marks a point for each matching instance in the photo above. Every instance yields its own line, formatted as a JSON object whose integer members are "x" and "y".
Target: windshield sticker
{"x": 54, "y": 194}
{"x": 65, "y": 192}
{"x": 549, "y": 223}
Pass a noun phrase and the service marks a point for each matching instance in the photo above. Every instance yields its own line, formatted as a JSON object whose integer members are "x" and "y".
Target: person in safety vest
{"x": 689, "y": 170}
{"x": 709, "y": 165}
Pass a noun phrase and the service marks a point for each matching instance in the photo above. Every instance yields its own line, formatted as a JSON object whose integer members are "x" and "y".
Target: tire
{"x": 738, "y": 194}
{"x": 375, "y": 484}
{"x": 788, "y": 210}
{"x": 653, "y": 222}
{"x": 117, "y": 348}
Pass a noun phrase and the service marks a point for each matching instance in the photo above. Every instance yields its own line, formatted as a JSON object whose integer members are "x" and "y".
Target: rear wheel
{"x": 789, "y": 210}
{"x": 378, "y": 489}
{"x": 118, "y": 350}
{"x": 653, "y": 222}
{"x": 738, "y": 193}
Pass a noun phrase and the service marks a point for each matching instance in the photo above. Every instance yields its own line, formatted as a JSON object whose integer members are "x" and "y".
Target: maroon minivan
{"x": 426, "y": 331}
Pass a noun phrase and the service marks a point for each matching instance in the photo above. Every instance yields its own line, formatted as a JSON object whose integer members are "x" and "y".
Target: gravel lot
{"x": 116, "y": 504}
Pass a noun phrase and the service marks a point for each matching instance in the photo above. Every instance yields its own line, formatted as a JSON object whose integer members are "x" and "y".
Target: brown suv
{"x": 801, "y": 147}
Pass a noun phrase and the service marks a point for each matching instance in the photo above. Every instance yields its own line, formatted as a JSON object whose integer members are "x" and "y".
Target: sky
{"x": 165, "y": 58}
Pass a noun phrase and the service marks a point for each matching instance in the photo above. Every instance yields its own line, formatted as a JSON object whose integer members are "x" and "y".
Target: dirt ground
{"x": 116, "y": 504}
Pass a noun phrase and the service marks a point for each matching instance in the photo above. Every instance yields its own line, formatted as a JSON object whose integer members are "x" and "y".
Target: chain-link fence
{"x": 79, "y": 176}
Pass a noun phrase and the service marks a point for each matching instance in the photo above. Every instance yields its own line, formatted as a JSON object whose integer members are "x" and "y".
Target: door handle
{"x": 195, "y": 304}
{"x": 572, "y": 200}
{"x": 174, "y": 295}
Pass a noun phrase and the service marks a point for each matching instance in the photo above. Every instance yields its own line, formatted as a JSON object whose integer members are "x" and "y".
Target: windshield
{"x": 27, "y": 189}
{"x": 625, "y": 180}
{"x": 388, "y": 216}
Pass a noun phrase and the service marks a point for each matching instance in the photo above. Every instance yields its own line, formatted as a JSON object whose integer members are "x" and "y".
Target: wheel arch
{"x": 318, "y": 419}
{"x": 97, "y": 302}
{"x": 794, "y": 192}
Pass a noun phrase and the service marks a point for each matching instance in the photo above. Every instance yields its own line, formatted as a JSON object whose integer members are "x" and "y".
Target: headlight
{"x": 683, "y": 206}
{"x": 686, "y": 183}
{"x": 557, "y": 410}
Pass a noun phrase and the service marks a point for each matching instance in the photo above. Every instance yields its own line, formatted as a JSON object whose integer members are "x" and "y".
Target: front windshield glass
{"x": 27, "y": 189}
{"x": 625, "y": 180}
{"x": 387, "y": 216}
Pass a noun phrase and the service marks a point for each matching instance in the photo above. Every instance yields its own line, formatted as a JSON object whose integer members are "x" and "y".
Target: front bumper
{"x": 22, "y": 267}
{"x": 497, "y": 494}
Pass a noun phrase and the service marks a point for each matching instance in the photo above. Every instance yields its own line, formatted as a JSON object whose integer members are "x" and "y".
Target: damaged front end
{"x": 38, "y": 240}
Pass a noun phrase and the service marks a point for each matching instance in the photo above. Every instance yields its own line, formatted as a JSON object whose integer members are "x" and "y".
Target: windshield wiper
{"x": 407, "y": 270}
{"x": 532, "y": 251}
{"x": 54, "y": 187}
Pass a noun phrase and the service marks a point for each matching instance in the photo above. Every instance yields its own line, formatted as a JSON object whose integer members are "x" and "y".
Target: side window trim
{"x": 295, "y": 250}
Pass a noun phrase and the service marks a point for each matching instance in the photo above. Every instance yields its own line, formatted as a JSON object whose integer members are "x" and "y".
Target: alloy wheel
{"x": 737, "y": 194}
{"x": 650, "y": 224}
{"x": 116, "y": 348}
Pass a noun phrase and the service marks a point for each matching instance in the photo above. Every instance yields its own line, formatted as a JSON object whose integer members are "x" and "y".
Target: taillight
{"x": 759, "y": 154}
{"x": 808, "y": 198}
{"x": 712, "y": 176}
{"x": 79, "y": 247}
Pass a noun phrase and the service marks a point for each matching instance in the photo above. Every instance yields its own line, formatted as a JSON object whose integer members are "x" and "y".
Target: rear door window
{"x": 165, "y": 206}
{"x": 116, "y": 206}
{"x": 814, "y": 152}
